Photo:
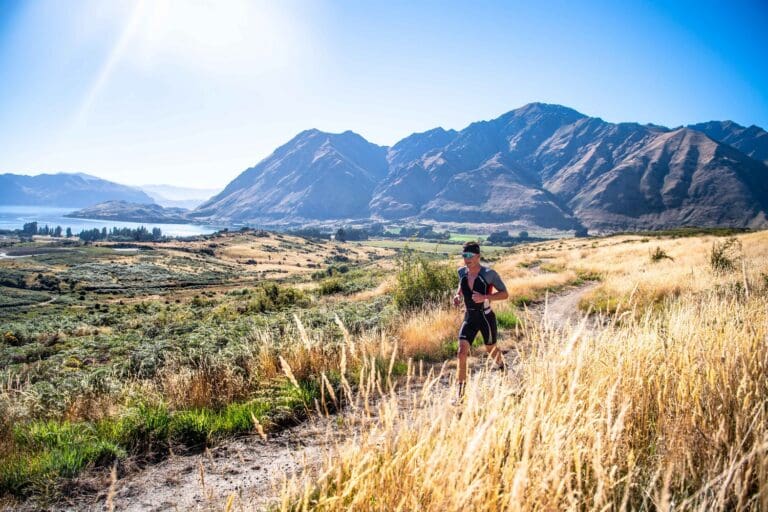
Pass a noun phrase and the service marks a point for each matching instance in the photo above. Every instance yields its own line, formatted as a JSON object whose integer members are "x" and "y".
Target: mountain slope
{"x": 64, "y": 190}
{"x": 316, "y": 175}
{"x": 678, "y": 178}
{"x": 482, "y": 173}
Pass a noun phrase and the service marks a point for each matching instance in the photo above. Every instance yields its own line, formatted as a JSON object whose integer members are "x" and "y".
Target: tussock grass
{"x": 630, "y": 277}
{"x": 427, "y": 333}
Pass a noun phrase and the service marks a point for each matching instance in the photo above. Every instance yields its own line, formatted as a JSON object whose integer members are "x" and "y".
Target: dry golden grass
{"x": 424, "y": 333}
{"x": 629, "y": 271}
{"x": 383, "y": 288}
{"x": 665, "y": 412}
{"x": 663, "y": 409}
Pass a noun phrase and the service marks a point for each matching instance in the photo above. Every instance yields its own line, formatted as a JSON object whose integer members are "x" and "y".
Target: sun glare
{"x": 218, "y": 36}
{"x": 228, "y": 40}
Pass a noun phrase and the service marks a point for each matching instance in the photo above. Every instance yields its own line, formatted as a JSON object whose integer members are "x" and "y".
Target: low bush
{"x": 421, "y": 282}
{"x": 723, "y": 255}
{"x": 659, "y": 254}
{"x": 506, "y": 319}
{"x": 330, "y": 286}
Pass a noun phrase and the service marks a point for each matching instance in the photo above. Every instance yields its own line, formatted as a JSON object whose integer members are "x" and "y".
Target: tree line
{"x": 140, "y": 234}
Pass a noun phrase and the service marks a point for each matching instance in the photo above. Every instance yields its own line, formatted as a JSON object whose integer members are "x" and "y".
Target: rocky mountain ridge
{"x": 540, "y": 165}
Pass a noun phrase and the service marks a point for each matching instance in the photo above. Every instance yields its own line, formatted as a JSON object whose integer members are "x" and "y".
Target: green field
{"x": 466, "y": 237}
{"x": 442, "y": 247}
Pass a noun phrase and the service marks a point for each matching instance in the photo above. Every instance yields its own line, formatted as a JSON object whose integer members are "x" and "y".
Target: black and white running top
{"x": 486, "y": 282}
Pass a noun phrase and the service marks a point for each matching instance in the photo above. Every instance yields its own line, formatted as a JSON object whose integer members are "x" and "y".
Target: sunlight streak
{"x": 106, "y": 70}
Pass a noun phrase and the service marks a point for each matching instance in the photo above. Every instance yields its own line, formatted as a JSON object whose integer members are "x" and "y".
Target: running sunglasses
{"x": 467, "y": 255}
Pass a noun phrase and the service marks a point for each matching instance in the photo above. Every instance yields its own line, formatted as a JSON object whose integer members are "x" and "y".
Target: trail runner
{"x": 478, "y": 286}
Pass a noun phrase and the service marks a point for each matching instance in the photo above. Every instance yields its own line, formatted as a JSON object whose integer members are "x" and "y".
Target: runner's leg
{"x": 463, "y": 354}
{"x": 467, "y": 334}
{"x": 490, "y": 337}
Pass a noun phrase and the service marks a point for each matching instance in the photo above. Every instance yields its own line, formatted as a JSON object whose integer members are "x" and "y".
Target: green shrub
{"x": 522, "y": 300}
{"x": 272, "y": 297}
{"x": 421, "y": 281}
{"x": 330, "y": 286}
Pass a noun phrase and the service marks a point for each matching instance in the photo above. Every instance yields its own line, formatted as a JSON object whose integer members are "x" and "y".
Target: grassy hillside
{"x": 661, "y": 405}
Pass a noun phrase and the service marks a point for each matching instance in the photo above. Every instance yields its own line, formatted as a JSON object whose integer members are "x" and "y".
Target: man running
{"x": 476, "y": 286}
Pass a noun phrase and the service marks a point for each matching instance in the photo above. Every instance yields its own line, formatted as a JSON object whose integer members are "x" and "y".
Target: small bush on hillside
{"x": 271, "y": 297}
{"x": 421, "y": 281}
{"x": 330, "y": 286}
{"x": 723, "y": 256}
{"x": 660, "y": 254}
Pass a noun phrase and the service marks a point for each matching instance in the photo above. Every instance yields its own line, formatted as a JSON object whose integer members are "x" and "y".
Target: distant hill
{"x": 179, "y": 197}
{"x": 64, "y": 190}
{"x": 132, "y": 212}
{"x": 540, "y": 165}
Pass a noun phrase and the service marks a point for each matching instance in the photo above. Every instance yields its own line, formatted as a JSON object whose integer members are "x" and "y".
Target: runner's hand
{"x": 479, "y": 298}
{"x": 456, "y": 300}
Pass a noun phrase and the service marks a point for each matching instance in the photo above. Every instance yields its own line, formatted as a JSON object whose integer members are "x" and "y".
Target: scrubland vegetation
{"x": 168, "y": 347}
{"x": 658, "y": 400}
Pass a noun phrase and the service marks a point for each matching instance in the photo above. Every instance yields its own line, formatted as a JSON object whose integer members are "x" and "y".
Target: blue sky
{"x": 192, "y": 92}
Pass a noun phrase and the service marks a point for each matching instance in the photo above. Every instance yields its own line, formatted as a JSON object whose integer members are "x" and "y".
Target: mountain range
{"x": 540, "y": 165}
{"x": 64, "y": 190}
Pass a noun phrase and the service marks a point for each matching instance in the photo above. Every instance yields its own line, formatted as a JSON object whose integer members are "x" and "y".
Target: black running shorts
{"x": 478, "y": 320}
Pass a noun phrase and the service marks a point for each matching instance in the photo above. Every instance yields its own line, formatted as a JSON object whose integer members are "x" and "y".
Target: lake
{"x": 14, "y": 217}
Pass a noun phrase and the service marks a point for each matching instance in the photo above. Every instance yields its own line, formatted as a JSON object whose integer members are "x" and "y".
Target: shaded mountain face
{"x": 314, "y": 176}
{"x": 752, "y": 141}
{"x": 675, "y": 178}
{"x": 64, "y": 190}
{"x": 480, "y": 175}
{"x": 540, "y": 165}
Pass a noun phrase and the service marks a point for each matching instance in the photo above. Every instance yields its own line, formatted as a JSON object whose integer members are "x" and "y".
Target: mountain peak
{"x": 538, "y": 108}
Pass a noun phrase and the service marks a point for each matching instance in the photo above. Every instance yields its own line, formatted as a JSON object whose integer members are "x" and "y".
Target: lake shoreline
{"x": 14, "y": 217}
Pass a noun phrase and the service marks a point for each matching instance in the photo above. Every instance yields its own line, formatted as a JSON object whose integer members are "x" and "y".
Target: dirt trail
{"x": 249, "y": 467}
{"x": 562, "y": 309}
